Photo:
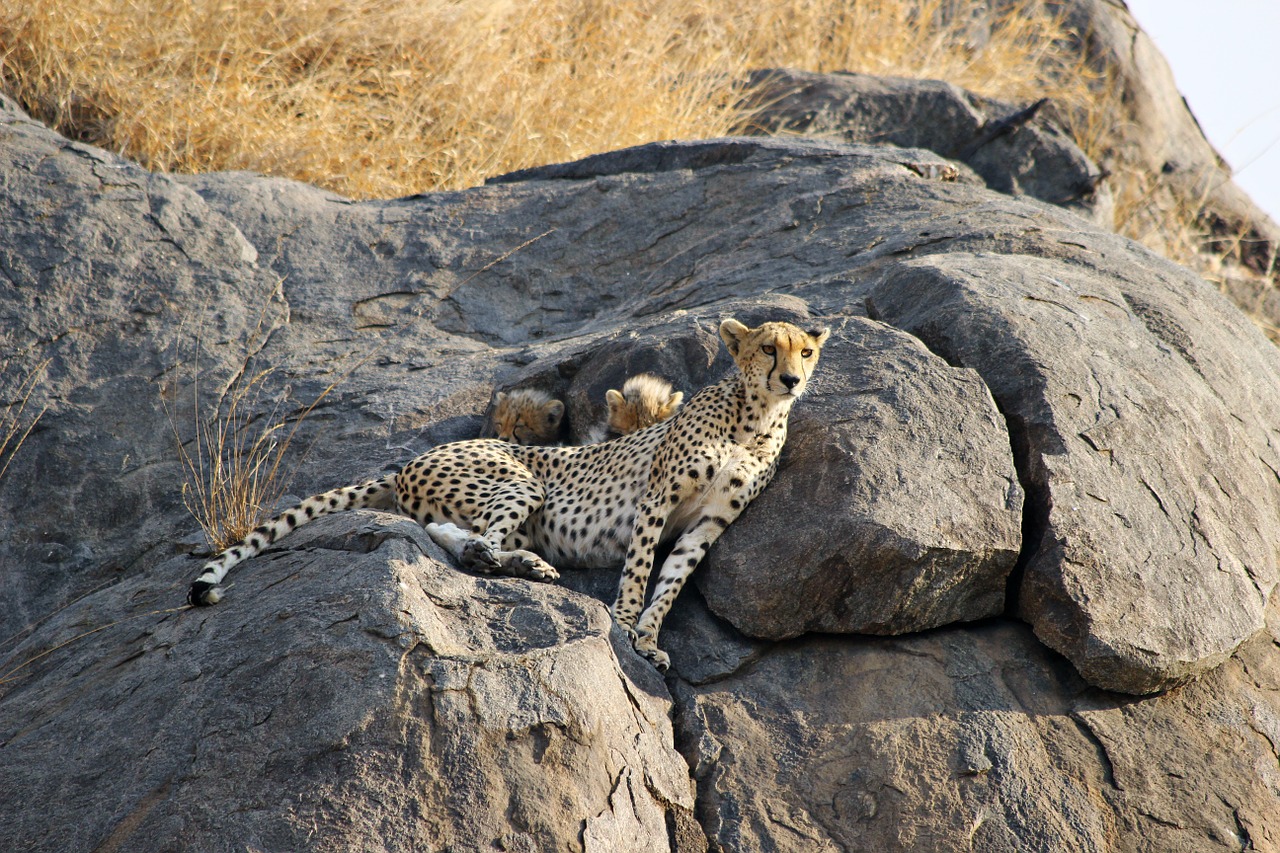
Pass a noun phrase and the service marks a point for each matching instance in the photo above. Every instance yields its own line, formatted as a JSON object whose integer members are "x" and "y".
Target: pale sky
{"x": 1226, "y": 60}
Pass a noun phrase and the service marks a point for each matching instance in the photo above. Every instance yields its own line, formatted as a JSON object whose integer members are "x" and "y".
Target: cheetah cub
{"x": 644, "y": 400}
{"x": 516, "y": 510}
{"x": 527, "y": 416}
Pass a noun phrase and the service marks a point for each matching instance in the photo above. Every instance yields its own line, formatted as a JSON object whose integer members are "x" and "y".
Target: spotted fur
{"x": 527, "y": 416}
{"x": 516, "y": 510}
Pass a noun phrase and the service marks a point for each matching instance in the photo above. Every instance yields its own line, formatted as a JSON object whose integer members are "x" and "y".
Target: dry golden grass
{"x": 378, "y": 98}
{"x": 231, "y": 458}
{"x": 383, "y": 98}
{"x": 232, "y": 467}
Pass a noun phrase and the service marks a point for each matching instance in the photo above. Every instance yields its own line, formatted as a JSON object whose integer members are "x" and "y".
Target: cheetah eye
{"x": 806, "y": 353}
{"x": 768, "y": 350}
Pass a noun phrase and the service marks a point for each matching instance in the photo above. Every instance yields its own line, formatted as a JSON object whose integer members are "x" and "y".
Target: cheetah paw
{"x": 646, "y": 645}
{"x": 479, "y": 556}
{"x": 526, "y": 564}
{"x": 661, "y": 660}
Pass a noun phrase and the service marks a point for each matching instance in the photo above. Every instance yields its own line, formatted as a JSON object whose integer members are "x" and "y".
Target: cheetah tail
{"x": 374, "y": 493}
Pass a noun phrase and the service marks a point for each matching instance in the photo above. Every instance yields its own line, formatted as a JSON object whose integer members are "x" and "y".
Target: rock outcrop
{"x": 1022, "y": 419}
{"x": 1010, "y": 147}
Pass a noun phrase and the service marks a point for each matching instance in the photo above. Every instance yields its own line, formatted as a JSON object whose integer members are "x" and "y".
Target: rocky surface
{"x": 1184, "y": 203}
{"x": 1011, "y": 147}
{"x": 1021, "y": 416}
{"x": 978, "y": 739}
{"x": 361, "y": 693}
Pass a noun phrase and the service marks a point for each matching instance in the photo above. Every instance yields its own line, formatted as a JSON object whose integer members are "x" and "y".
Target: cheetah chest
{"x": 590, "y": 506}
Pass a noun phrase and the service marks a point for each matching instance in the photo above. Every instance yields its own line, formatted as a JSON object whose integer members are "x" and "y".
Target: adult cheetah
{"x": 516, "y": 510}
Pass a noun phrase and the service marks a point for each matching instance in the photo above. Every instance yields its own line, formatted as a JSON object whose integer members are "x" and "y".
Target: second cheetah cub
{"x": 644, "y": 400}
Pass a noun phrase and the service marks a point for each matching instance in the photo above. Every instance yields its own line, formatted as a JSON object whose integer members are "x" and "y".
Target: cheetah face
{"x": 776, "y": 358}
{"x": 527, "y": 417}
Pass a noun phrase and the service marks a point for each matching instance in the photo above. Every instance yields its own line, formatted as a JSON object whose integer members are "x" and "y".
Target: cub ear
{"x": 820, "y": 334}
{"x": 499, "y": 397}
{"x": 732, "y": 332}
{"x": 614, "y": 399}
{"x": 554, "y": 412}
{"x": 674, "y": 401}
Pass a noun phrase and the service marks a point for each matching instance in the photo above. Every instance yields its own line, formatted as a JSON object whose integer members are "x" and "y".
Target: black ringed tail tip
{"x": 198, "y": 596}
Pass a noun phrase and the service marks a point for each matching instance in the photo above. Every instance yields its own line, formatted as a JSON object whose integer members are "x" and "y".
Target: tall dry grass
{"x": 378, "y": 98}
{"x": 383, "y": 98}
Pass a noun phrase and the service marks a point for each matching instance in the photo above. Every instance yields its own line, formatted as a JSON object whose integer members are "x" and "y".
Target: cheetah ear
{"x": 554, "y": 412}
{"x": 614, "y": 399}
{"x": 820, "y": 334}
{"x": 674, "y": 401}
{"x": 732, "y": 332}
{"x": 499, "y": 397}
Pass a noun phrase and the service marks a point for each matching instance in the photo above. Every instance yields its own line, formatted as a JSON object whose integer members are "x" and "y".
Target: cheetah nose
{"x": 790, "y": 380}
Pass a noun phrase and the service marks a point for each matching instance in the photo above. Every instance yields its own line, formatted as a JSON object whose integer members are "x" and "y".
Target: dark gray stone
{"x": 979, "y": 739}
{"x": 1011, "y": 147}
{"x": 1125, "y": 453}
{"x": 360, "y": 692}
{"x": 897, "y": 475}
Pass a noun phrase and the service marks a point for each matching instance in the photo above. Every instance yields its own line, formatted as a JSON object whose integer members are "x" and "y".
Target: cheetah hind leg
{"x": 475, "y": 553}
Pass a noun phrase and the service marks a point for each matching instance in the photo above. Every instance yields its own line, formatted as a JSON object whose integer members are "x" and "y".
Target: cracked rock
{"x": 365, "y": 694}
{"x": 911, "y": 464}
{"x": 977, "y": 739}
{"x": 1149, "y": 464}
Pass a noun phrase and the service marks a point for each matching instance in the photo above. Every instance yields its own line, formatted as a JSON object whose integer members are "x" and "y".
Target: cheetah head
{"x": 777, "y": 358}
{"x": 527, "y": 416}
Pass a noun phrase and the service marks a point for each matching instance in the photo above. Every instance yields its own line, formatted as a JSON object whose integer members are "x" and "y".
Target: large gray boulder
{"x": 982, "y": 338}
{"x": 910, "y": 462}
{"x": 978, "y": 739}
{"x": 1105, "y": 457}
{"x": 361, "y": 693}
{"x": 1013, "y": 148}
{"x": 391, "y": 306}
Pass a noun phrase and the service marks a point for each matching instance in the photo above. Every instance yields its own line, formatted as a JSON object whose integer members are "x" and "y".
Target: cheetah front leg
{"x": 477, "y": 553}
{"x": 650, "y": 519}
{"x": 720, "y": 506}
{"x": 690, "y": 548}
{"x": 498, "y": 521}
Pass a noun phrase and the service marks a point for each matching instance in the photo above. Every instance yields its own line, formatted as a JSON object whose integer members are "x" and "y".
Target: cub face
{"x": 777, "y": 358}
{"x": 527, "y": 416}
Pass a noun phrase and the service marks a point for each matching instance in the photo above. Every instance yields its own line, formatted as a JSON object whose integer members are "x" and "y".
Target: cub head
{"x": 527, "y": 416}
{"x": 644, "y": 400}
{"x": 776, "y": 358}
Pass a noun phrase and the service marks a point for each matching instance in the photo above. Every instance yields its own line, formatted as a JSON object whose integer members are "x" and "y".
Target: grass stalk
{"x": 13, "y": 433}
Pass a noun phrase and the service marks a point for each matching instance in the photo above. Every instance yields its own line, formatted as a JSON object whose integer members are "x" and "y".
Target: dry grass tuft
{"x": 233, "y": 460}
{"x": 232, "y": 467}
{"x": 15, "y": 423}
